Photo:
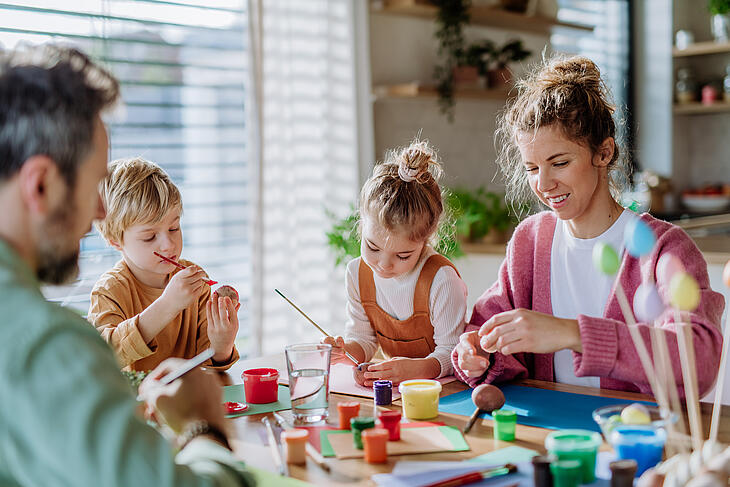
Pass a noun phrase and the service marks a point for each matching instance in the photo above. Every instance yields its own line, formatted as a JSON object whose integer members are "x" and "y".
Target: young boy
{"x": 146, "y": 308}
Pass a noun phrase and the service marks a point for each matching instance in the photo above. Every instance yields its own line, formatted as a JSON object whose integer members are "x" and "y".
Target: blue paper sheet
{"x": 539, "y": 407}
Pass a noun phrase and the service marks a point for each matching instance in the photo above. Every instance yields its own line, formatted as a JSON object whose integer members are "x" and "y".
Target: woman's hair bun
{"x": 574, "y": 71}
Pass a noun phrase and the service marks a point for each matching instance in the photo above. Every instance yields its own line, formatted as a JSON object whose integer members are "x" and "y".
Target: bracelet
{"x": 199, "y": 428}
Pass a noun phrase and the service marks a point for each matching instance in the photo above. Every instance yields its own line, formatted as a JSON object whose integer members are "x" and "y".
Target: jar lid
{"x": 382, "y": 384}
{"x": 573, "y": 440}
{"x": 295, "y": 435}
{"x": 362, "y": 422}
{"x": 504, "y": 415}
{"x": 348, "y": 406}
{"x": 375, "y": 433}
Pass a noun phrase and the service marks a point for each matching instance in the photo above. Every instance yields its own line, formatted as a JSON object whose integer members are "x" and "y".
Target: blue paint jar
{"x": 644, "y": 444}
{"x": 383, "y": 390}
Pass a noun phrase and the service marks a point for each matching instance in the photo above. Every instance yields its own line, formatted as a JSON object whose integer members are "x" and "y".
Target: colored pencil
{"x": 209, "y": 282}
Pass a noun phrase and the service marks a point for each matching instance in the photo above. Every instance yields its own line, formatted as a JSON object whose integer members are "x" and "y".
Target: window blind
{"x": 183, "y": 69}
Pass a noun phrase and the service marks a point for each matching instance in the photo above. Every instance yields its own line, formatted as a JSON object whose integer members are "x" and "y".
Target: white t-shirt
{"x": 447, "y": 306}
{"x": 572, "y": 273}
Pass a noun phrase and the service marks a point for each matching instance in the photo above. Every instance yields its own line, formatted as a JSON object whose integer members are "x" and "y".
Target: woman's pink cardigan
{"x": 608, "y": 351}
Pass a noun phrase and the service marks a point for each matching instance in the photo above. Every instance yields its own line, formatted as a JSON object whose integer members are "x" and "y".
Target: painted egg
{"x": 667, "y": 267}
{"x": 487, "y": 397}
{"x": 605, "y": 258}
{"x": 648, "y": 305}
{"x": 684, "y": 293}
{"x": 639, "y": 239}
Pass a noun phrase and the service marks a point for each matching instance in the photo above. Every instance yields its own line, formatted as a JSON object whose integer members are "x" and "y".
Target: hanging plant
{"x": 451, "y": 18}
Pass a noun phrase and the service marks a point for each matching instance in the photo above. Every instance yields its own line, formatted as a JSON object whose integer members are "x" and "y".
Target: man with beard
{"x": 67, "y": 416}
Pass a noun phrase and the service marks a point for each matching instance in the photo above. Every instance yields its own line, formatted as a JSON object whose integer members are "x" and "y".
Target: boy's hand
{"x": 222, "y": 326}
{"x": 184, "y": 288}
{"x": 338, "y": 350}
{"x": 193, "y": 397}
{"x": 472, "y": 358}
{"x": 396, "y": 370}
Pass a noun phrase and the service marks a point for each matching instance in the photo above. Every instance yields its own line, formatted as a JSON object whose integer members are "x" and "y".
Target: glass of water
{"x": 308, "y": 365}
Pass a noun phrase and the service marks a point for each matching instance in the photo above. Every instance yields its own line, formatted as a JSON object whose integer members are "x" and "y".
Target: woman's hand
{"x": 524, "y": 330}
{"x": 472, "y": 359}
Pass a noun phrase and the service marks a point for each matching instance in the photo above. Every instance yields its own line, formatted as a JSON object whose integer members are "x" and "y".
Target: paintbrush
{"x": 315, "y": 324}
{"x": 184, "y": 368}
{"x": 281, "y": 466}
{"x": 209, "y": 282}
{"x": 472, "y": 477}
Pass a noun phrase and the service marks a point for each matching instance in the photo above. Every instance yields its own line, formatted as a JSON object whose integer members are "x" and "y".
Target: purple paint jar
{"x": 383, "y": 390}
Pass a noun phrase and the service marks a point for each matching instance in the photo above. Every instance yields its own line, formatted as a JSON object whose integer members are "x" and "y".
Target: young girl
{"x": 402, "y": 295}
{"x": 551, "y": 315}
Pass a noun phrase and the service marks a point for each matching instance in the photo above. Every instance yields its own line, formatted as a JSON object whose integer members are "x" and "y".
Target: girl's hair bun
{"x": 417, "y": 162}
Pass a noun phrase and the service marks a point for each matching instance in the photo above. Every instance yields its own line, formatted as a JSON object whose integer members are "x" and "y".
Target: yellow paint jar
{"x": 420, "y": 398}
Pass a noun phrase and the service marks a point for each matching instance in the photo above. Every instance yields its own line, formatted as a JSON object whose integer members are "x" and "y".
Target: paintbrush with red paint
{"x": 209, "y": 282}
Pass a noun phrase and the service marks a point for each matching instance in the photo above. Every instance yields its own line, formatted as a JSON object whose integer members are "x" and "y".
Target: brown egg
{"x": 228, "y": 291}
{"x": 358, "y": 372}
{"x": 487, "y": 397}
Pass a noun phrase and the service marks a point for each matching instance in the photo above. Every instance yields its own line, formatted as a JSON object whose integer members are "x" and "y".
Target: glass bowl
{"x": 608, "y": 417}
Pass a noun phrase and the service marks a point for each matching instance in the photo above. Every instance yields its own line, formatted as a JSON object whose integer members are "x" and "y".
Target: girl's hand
{"x": 222, "y": 326}
{"x": 524, "y": 330}
{"x": 338, "y": 350}
{"x": 472, "y": 359}
{"x": 396, "y": 370}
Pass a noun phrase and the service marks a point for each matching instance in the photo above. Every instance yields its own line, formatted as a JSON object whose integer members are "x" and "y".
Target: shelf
{"x": 416, "y": 90}
{"x": 485, "y": 16}
{"x": 702, "y": 48}
{"x": 700, "y": 109}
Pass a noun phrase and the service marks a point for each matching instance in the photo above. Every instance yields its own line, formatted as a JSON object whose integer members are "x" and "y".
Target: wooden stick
{"x": 663, "y": 367}
{"x": 714, "y": 425}
{"x": 672, "y": 385}
{"x": 472, "y": 420}
{"x": 315, "y": 324}
{"x": 690, "y": 393}
{"x": 639, "y": 344}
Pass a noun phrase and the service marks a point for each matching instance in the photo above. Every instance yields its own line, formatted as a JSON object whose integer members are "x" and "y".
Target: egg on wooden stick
{"x": 486, "y": 398}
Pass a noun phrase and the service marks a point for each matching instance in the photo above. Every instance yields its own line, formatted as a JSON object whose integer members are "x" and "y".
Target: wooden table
{"x": 249, "y": 446}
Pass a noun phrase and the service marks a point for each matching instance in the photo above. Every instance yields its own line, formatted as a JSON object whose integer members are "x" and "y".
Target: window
{"x": 183, "y": 68}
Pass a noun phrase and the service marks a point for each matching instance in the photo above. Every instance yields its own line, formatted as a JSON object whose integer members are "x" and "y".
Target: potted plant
{"x": 481, "y": 216}
{"x": 499, "y": 75}
{"x": 720, "y": 10}
{"x": 451, "y": 17}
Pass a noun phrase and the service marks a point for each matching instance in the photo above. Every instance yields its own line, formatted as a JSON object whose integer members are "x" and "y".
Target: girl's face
{"x": 388, "y": 254}
{"x": 141, "y": 241}
{"x": 565, "y": 175}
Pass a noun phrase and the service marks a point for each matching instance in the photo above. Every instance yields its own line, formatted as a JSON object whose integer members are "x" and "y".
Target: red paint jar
{"x": 390, "y": 420}
{"x": 260, "y": 385}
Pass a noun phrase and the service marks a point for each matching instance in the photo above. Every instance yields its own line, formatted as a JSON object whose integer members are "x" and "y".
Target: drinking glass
{"x": 308, "y": 365}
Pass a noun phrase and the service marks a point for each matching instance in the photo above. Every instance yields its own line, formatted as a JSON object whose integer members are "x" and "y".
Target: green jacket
{"x": 67, "y": 413}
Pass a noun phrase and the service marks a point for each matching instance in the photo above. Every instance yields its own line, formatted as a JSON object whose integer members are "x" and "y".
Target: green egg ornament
{"x": 605, "y": 258}
{"x": 684, "y": 293}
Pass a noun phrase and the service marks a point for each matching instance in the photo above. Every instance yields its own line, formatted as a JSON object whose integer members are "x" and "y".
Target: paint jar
{"x": 505, "y": 423}
{"x": 566, "y": 473}
{"x": 375, "y": 441}
{"x": 541, "y": 475}
{"x": 260, "y": 385}
{"x": 346, "y": 411}
{"x": 420, "y": 398}
{"x": 383, "y": 390}
{"x": 390, "y": 420}
{"x": 581, "y": 445}
{"x": 295, "y": 442}
{"x": 622, "y": 473}
{"x": 644, "y": 444}
{"x": 358, "y": 425}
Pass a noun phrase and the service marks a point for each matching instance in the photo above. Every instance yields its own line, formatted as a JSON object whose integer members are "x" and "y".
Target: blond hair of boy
{"x": 146, "y": 308}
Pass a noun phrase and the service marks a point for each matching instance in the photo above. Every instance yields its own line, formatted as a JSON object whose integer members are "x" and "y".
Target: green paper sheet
{"x": 238, "y": 394}
{"x": 264, "y": 478}
{"x": 450, "y": 432}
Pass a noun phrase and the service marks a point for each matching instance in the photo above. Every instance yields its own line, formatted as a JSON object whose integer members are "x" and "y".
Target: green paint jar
{"x": 581, "y": 445}
{"x": 505, "y": 423}
{"x": 357, "y": 426}
{"x": 566, "y": 473}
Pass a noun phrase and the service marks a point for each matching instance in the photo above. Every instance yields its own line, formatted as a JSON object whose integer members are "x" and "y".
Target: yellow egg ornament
{"x": 635, "y": 414}
{"x": 684, "y": 293}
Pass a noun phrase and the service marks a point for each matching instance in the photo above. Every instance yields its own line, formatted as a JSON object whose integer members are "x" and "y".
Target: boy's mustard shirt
{"x": 116, "y": 302}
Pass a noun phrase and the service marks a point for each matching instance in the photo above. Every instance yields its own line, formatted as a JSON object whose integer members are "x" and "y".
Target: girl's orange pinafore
{"x": 412, "y": 337}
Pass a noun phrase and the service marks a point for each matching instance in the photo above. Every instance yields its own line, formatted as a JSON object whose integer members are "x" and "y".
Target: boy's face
{"x": 388, "y": 254}
{"x": 141, "y": 241}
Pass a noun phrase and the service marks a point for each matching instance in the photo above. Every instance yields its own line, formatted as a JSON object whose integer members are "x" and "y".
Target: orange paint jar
{"x": 295, "y": 443}
{"x": 347, "y": 411}
{"x": 375, "y": 441}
